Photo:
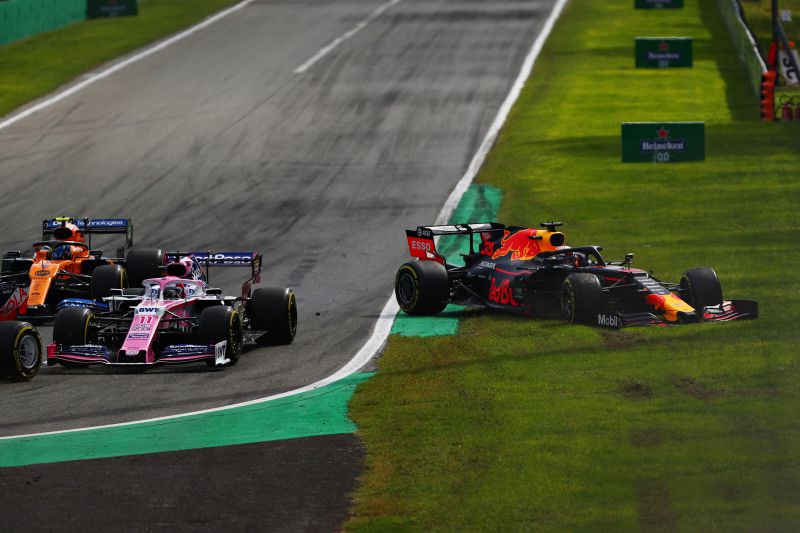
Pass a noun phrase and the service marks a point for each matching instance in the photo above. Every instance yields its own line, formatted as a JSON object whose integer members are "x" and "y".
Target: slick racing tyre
{"x": 700, "y": 288}
{"x": 222, "y": 323}
{"x": 20, "y": 350}
{"x": 73, "y": 326}
{"x": 105, "y": 278}
{"x": 581, "y": 298}
{"x": 422, "y": 287}
{"x": 142, "y": 264}
{"x": 274, "y": 310}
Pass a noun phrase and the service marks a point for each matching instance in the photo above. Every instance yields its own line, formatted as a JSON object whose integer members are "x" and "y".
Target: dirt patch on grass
{"x": 645, "y": 438}
{"x": 697, "y": 390}
{"x": 635, "y": 390}
{"x": 620, "y": 339}
{"x": 655, "y": 506}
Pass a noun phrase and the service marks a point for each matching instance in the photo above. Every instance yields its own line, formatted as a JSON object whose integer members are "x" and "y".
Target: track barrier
{"x": 745, "y": 43}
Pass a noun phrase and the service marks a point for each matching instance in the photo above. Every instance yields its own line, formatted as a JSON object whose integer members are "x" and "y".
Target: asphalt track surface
{"x": 293, "y": 485}
{"x": 216, "y": 143}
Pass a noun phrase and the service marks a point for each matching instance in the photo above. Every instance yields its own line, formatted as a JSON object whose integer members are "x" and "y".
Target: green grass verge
{"x": 759, "y": 17}
{"x": 522, "y": 424}
{"x": 35, "y": 66}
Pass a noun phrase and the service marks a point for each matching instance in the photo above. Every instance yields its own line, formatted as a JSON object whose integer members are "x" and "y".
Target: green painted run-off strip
{"x": 319, "y": 412}
{"x": 479, "y": 204}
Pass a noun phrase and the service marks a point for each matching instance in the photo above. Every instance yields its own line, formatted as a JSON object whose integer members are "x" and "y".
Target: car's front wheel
{"x": 581, "y": 298}
{"x": 700, "y": 287}
{"x": 222, "y": 323}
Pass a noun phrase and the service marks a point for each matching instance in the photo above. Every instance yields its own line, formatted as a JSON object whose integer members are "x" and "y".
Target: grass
{"x": 35, "y": 66}
{"x": 519, "y": 424}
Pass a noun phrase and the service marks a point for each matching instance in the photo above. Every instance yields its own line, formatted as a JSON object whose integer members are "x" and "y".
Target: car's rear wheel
{"x": 222, "y": 323}
{"x": 274, "y": 310}
{"x": 581, "y": 298}
{"x": 700, "y": 288}
{"x": 20, "y": 350}
{"x": 422, "y": 287}
{"x": 105, "y": 278}
{"x": 142, "y": 264}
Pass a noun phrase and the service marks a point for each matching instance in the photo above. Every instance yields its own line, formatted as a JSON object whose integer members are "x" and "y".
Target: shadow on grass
{"x": 742, "y": 104}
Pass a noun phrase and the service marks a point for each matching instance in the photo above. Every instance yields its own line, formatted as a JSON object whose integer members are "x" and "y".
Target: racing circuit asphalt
{"x": 216, "y": 143}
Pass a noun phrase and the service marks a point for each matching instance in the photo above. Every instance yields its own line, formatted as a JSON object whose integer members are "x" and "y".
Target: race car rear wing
{"x": 225, "y": 259}
{"x": 89, "y": 227}
{"x": 421, "y": 241}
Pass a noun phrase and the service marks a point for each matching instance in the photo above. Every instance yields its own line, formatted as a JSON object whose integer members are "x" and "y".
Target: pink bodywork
{"x": 148, "y": 314}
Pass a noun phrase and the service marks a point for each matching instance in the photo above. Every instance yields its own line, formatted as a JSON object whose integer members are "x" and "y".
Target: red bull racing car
{"x": 175, "y": 318}
{"x": 532, "y": 272}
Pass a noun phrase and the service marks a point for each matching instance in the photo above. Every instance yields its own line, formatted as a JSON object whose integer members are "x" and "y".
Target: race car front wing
{"x": 724, "y": 312}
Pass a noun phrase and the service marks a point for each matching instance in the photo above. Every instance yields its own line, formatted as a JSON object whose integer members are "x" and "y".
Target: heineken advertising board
{"x": 663, "y": 52}
{"x": 663, "y": 142}
{"x": 111, "y": 8}
{"x": 657, "y": 4}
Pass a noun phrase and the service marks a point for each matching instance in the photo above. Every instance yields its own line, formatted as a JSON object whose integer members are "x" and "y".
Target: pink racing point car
{"x": 175, "y": 319}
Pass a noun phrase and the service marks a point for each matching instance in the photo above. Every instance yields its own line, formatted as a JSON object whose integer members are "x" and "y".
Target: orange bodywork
{"x": 46, "y": 268}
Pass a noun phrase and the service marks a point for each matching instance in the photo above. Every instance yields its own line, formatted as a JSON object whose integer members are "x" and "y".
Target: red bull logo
{"x": 527, "y": 243}
{"x": 501, "y": 293}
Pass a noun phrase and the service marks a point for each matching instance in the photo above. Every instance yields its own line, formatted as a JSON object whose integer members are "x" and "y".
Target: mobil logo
{"x": 609, "y": 320}
{"x": 522, "y": 245}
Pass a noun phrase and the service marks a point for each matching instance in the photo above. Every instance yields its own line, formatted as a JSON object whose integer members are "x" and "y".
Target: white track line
{"x": 339, "y": 40}
{"x": 384, "y": 324}
{"x": 58, "y": 96}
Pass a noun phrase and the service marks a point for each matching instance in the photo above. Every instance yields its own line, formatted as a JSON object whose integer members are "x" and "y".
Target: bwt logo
{"x": 148, "y": 310}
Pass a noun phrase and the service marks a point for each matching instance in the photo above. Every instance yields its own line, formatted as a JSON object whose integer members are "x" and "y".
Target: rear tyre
{"x": 222, "y": 323}
{"x": 422, "y": 287}
{"x": 581, "y": 298}
{"x": 274, "y": 310}
{"x": 20, "y": 350}
{"x": 142, "y": 264}
{"x": 105, "y": 278}
{"x": 701, "y": 288}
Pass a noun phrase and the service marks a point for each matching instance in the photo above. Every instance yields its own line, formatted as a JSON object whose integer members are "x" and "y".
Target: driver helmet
{"x": 173, "y": 293}
{"x": 62, "y": 251}
{"x": 579, "y": 259}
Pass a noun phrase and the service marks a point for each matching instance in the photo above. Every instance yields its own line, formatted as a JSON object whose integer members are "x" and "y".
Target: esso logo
{"x": 421, "y": 245}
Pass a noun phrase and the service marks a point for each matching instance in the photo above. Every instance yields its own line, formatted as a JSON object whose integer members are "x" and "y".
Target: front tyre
{"x": 581, "y": 298}
{"x": 222, "y": 323}
{"x": 274, "y": 310}
{"x": 105, "y": 278}
{"x": 73, "y": 326}
{"x": 701, "y": 288}
{"x": 422, "y": 287}
{"x": 20, "y": 350}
